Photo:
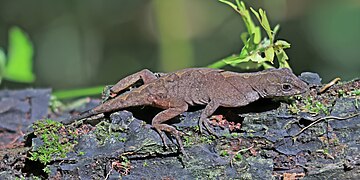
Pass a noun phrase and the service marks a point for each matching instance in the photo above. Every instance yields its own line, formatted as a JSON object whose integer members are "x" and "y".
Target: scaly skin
{"x": 175, "y": 92}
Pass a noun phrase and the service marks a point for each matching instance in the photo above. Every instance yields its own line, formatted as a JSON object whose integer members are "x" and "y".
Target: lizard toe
{"x": 201, "y": 126}
{"x": 208, "y": 128}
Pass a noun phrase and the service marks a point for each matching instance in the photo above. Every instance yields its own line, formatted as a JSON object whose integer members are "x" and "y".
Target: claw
{"x": 176, "y": 134}
{"x": 162, "y": 138}
{"x": 201, "y": 126}
{"x": 179, "y": 141}
{"x": 205, "y": 122}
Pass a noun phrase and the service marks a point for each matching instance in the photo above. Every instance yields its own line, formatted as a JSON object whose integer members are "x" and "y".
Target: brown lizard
{"x": 175, "y": 92}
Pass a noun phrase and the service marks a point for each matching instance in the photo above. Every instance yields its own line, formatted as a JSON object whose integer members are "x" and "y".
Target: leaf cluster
{"x": 257, "y": 52}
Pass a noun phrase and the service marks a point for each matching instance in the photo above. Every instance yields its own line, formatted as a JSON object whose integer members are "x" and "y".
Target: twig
{"x": 328, "y": 85}
{"x": 108, "y": 174}
{"x": 321, "y": 119}
{"x": 241, "y": 150}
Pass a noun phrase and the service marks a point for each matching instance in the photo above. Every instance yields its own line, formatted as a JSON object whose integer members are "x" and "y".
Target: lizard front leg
{"x": 207, "y": 112}
{"x": 145, "y": 75}
{"x": 175, "y": 108}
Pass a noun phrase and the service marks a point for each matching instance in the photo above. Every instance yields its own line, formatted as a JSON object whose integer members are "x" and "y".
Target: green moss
{"x": 187, "y": 141}
{"x": 104, "y": 131}
{"x": 238, "y": 156}
{"x": 214, "y": 174}
{"x": 317, "y": 107}
{"x": 294, "y": 108}
{"x": 341, "y": 93}
{"x": 344, "y": 93}
{"x": 195, "y": 138}
{"x": 251, "y": 135}
{"x": 355, "y": 92}
{"x": 47, "y": 170}
{"x": 209, "y": 173}
{"x": 310, "y": 105}
{"x": 235, "y": 135}
{"x": 227, "y": 135}
{"x": 20, "y": 178}
{"x": 224, "y": 153}
{"x": 56, "y": 142}
{"x": 36, "y": 178}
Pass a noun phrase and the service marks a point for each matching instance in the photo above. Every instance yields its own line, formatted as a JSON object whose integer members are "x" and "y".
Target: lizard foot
{"x": 206, "y": 123}
{"x": 162, "y": 137}
{"x": 167, "y": 128}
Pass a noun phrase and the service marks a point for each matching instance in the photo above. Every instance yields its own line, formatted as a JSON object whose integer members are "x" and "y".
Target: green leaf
{"x": 256, "y": 14}
{"x": 257, "y": 35}
{"x": 245, "y": 15}
{"x": 265, "y": 23}
{"x": 228, "y": 3}
{"x": 232, "y": 60}
{"x": 276, "y": 30}
{"x": 261, "y": 16}
{"x": 244, "y": 37}
{"x": 269, "y": 54}
{"x": 267, "y": 65}
{"x": 248, "y": 62}
{"x": 250, "y": 55}
{"x": 20, "y": 57}
{"x": 248, "y": 65}
{"x": 282, "y": 58}
{"x": 250, "y": 44}
{"x": 249, "y": 23}
{"x": 282, "y": 44}
{"x": 257, "y": 58}
{"x": 244, "y": 52}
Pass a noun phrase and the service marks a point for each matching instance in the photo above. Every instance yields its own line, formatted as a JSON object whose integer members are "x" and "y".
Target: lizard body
{"x": 175, "y": 92}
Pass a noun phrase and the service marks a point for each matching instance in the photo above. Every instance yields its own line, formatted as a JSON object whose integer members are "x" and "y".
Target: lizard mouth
{"x": 303, "y": 91}
{"x": 303, "y": 87}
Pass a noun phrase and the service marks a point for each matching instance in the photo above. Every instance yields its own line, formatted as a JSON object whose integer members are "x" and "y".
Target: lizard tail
{"x": 118, "y": 103}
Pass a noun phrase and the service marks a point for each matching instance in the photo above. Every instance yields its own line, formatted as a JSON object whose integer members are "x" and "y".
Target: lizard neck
{"x": 258, "y": 83}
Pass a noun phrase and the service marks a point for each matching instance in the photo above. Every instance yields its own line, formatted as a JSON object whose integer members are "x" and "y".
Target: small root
{"x": 322, "y": 119}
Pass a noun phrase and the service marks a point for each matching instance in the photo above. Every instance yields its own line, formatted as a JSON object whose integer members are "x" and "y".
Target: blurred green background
{"x": 83, "y": 43}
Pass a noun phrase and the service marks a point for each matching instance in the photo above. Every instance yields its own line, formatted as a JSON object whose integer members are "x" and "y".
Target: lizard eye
{"x": 286, "y": 87}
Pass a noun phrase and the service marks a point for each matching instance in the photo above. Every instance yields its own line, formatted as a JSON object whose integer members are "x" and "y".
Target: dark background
{"x": 82, "y": 43}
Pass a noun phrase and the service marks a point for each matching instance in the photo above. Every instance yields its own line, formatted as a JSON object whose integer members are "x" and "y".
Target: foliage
{"x": 256, "y": 52}
{"x": 17, "y": 65}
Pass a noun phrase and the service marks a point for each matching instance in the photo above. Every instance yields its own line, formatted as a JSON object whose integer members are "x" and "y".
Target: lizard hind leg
{"x": 207, "y": 112}
{"x": 167, "y": 114}
{"x": 145, "y": 75}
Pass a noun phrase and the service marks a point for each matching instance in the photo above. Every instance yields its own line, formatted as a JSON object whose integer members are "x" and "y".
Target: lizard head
{"x": 281, "y": 82}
